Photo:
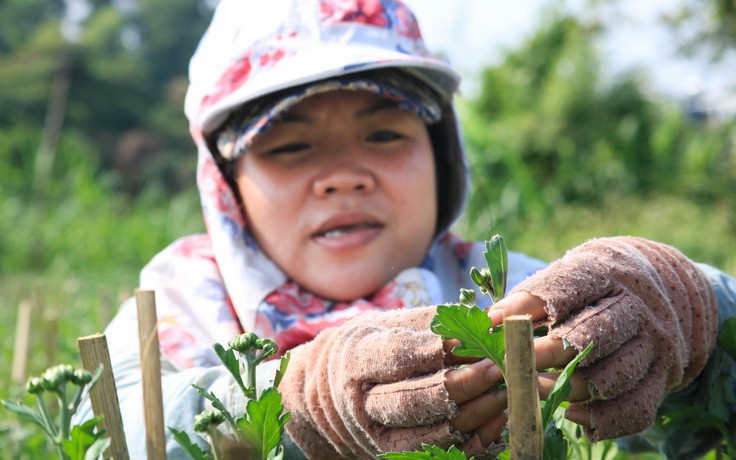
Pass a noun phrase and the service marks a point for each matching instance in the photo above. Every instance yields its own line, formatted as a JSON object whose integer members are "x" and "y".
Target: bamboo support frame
{"x": 51, "y": 335}
{"x": 104, "y": 396}
{"x": 151, "y": 373}
{"x": 22, "y": 341}
{"x": 526, "y": 435}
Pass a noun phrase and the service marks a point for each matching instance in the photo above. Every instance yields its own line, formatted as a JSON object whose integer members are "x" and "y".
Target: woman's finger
{"x": 454, "y": 360}
{"x": 471, "y": 381}
{"x": 491, "y": 431}
{"x": 576, "y": 413}
{"x": 477, "y": 412}
{"x": 550, "y": 353}
{"x": 579, "y": 392}
{"x": 518, "y": 303}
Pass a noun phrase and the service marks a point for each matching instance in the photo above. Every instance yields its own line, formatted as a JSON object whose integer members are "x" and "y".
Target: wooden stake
{"x": 151, "y": 369}
{"x": 104, "y": 395}
{"x": 22, "y": 341}
{"x": 51, "y": 335}
{"x": 526, "y": 437}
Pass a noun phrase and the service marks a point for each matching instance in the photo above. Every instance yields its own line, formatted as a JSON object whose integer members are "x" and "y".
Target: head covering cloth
{"x": 251, "y": 50}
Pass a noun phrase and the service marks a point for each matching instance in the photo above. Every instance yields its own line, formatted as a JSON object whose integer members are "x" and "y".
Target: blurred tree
{"x": 114, "y": 72}
{"x": 709, "y": 25}
{"x": 548, "y": 128}
{"x": 545, "y": 122}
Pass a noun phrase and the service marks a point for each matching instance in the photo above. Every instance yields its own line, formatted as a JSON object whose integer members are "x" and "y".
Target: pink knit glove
{"x": 649, "y": 310}
{"x": 375, "y": 384}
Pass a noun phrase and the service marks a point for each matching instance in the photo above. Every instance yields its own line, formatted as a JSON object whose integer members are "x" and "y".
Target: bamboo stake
{"x": 104, "y": 395}
{"x": 151, "y": 369}
{"x": 105, "y": 309}
{"x": 22, "y": 340}
{"x": 526, "y": 438}
{"x": 51, "y": 335}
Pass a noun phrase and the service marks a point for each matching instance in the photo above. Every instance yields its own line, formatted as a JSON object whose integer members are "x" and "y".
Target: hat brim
{"x": 334, "y": 60}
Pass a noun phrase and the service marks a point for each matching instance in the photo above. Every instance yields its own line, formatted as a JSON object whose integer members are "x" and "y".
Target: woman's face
{"x": 341, "y": 193}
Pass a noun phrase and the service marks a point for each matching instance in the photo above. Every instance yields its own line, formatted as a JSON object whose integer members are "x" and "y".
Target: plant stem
{"x": 77, "y": 399}
{"x": 250, "y": 363}
{"x": 231, "y": 422}
{"x": 64, "y": 414}
{"x": 49, "y": 428}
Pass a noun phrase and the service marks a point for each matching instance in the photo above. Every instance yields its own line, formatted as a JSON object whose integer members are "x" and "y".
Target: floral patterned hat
{"x": 252, "y": 49}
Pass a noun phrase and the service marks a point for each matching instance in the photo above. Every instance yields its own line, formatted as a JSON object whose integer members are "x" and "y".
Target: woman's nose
{"x": 344, "y": 179}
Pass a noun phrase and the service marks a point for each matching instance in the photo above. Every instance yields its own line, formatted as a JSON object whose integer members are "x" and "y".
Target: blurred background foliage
{"x": 97, "y": 164}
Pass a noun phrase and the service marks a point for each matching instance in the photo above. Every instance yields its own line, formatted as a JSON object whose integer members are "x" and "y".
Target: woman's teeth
{"x": 337, "y": 233}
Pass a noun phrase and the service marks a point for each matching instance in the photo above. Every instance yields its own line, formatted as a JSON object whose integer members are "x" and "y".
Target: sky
{"x": 473, "y": 33}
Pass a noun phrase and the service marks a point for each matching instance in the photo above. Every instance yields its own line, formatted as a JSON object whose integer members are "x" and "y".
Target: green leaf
{"x": 194, "y": 451}
{"x": 265, "y": 424}
{"x": 562, "y": 387}
{"x": 555, "y": 444}
{"x": 282, "y": 369}
{"x": 470, "y": 326}
{"x": 496, "y": 255}
{"x": 231, "y": 363}
{"x": 216, "y": 403}
{"x": 429, "y": 453}
{"x": 727, "y": 337}
{"x": 81, "y": 438}
{"x": 25, "y": 413}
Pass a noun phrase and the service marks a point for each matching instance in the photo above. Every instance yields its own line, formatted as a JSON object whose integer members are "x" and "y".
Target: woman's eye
{"x": 384, "y": 136}
{"x": 293, "y": 147}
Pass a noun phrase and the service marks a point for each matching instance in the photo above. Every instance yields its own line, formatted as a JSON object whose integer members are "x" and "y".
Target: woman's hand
{"x": 383, "y": 382}
{"x": 481, "y": 407}
{"x": 650, "y": 313}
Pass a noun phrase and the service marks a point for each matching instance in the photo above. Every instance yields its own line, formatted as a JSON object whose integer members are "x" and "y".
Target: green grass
{"x": 705, "y": 232}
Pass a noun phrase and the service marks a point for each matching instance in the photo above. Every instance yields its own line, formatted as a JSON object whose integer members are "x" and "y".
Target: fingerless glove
{"x": 651, "y": 314}
{"x": 375, "y": 384}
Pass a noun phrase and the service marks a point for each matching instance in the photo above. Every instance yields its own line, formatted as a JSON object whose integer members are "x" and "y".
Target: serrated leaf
{"x": 496, "y": 255}
{"x": 562, "y": 387}
{"x": 264, "y": 426}
{"x": 282, "y": 369}
{"x": 216, "y": 403}
{"x": 471, "y": 327}
{"x": 232, "y": 364}
{"x": 727, "y": 337}
{"x": 429, "y": 453}
{"x": 193, "y": 449}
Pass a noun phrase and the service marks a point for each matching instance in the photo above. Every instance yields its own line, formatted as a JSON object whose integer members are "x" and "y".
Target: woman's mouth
{"x": 345, "y": 230}
{"x": 349, "y": 235}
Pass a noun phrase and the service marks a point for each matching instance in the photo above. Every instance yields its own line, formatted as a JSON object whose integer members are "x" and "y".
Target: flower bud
{"x": 207, "y": 420}
{"x": 244, "y": 342}
{"x": 476, "y": 276}
{"x": 467, "y": 297}
{"x": 269, "y": 348}
{"x": 54, "y": 377}
{"x": 81, "y": 377}
{"x": 482, "y": 278}
{"x": 34, "y": 385}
